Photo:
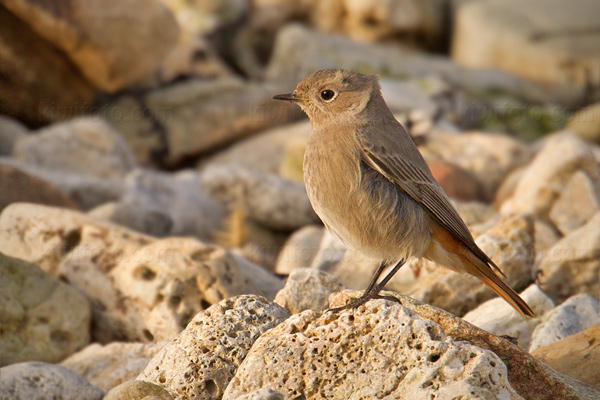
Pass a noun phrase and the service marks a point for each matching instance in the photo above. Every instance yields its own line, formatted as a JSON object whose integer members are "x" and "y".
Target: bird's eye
{"x": 327, "y": 95}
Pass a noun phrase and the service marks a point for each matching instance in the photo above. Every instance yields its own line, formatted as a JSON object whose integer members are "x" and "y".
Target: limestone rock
{"x": 263, "y": 394}
{"x": 300, "y": 249}
{"x": 201, "y": 361}
{"x": 307, "y": 289}
{"x": 87, "y": 145}
{"x": 576, "y": 314}
{"x": 576, "y": 356}
{"x": 195, "y": 116}
{"x": 572, "y": 265}
{"x": 548, "y": 175}
{"x": 379, "y": 350}
{"x": 535, "y": 41}
{"x": 41, "y": 381}
{"x": 43, "y": 319}
{"x": 585, "y": 123}
{"x": 140, "y": 288}
{"x": 11, "y": 130}
{"x": 457, "y": 182}
{"x": 577, "y": 203}
{"x": 18, "y": 186}
{"x": 267, "y": 199}
{"x": 137, "y": 390}
{"x": 509, "y": 243}
{"x": 111, "y": 49}
{"x": 499, "y": 318}
{"x": 115, "y": 363}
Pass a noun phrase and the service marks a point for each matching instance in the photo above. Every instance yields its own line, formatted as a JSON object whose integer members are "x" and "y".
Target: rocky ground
{"x": 156, "y": 240}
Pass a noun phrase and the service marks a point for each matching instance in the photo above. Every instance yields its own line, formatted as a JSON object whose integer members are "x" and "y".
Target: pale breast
{"x": 361, "y": 206}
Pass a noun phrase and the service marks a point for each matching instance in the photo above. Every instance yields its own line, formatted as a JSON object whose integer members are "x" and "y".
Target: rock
{"x": 576, "y": 314}
{"x": 137, "y": 390}
{"x": 300, "y": 249}
{"x": 491, "y": 157}
{"x": 509, "y": 243}
{"x": 499, "y": 318}
{"x": 41, "y": 381}
{"x": 201, "y": 361}
{"x": 263, "y": 394}
{"x": 88, "y": 146}
{"x": 43, "y": 319}
{"x": 307, "y": 289}
{"x": 264, "y": 152}
{"x": 140, "y": 288}
{"x": 545, "y": 237}
{"x": 272, "y": 201}
{"x": 577, "y": 203}
{"x": 475, "y": 213}
{"x": 585, "y": 123}
{"x": 162, "y": 204}
{"x": 546, "y": 178}
{"x": 377, "y": 350}
{"x": 572, "y": 265}
{"x": 111, "y": 49}
{"x": 576, "y": 356}
{"x": 17, "y": 186}
{"x": 536, "y": 42}
{"x": 299, "y": 51}
{"x": 11, "y": 131}
{"x": 113, "y": 364}
{"x": 41, "y": 84}
{"x": 195, "y": 116}
{"x": 416, "y": 95}
{"x": 331, "y": 251}
{"x": 457, "y": 182}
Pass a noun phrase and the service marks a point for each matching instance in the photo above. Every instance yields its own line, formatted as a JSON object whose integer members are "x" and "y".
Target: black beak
{"x": 287, "y": 96}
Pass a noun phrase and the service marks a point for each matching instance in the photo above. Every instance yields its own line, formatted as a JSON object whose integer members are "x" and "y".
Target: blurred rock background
{"x": 148, "y": 181}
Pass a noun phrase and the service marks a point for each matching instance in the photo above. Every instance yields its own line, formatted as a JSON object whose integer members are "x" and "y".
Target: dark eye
{"x": 327, "y": 94}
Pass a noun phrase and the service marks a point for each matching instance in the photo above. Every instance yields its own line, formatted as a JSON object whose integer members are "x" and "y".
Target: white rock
{"x": 307, "y": 289}
{"x": 577, "y": 203}
{"x": 300, "y": 249}
{"x": 576, "y": 314}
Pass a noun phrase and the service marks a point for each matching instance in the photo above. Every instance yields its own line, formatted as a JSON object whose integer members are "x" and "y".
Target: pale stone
{"x": 300, "y": 249}
{"x": 263, "y": 394}
{"x": 201, "y": 361}
{"x": 586, "y": 123}
{"x": 577, "y": 203}
{"x": 307, "y": 289}
{"x": 136, "y": 390}
{"x": 11, "y": 131}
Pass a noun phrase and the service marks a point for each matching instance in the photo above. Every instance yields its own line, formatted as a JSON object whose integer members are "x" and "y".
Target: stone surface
{"x": 457, "y": 182}
{"x": 113, "y": 364}
{"x": 111, "y": 49}
{"x": 18, "y": 186}
{"x": 548, "y": 175}
{"x": 43, "y": 319}
{"x": 585, "y": 123}
{"x": 88, "y": 146}
{"x": 300, "y": 249}
{"x": 499, "y": 318}
{"x": 509, "y": 243}
{"x": 201, "y": 361}
{"x": 576, "y": 356}
{"x": 194, "y": 116}
{"x": 572, "y": 265}
{"x": 41, "y": 381}
{"x": 577, "y": 203}
{"x": 380, "y": 350}
{"x": 11, "y": 130}
{"x": 263, "y": 394}
{"x": 163, "y": 204}
{"x": 272, "y": 201}
{"x": 137, "y": 390}
{"x": 536, "y": 42}
{"x": 140, "y": 288}
{"x": 41, "y": 85}
{"x": 576, "y": 314}
{"x": 307, "y": 289}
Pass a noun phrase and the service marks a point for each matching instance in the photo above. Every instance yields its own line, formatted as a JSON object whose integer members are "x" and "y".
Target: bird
{"x": 369, "y": 184}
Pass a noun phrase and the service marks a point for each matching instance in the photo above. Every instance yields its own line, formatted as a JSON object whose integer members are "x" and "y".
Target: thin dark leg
{"x": 374, "y": 288}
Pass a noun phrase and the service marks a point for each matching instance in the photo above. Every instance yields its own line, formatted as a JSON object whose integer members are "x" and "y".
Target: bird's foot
{"x": 359, "y": 301}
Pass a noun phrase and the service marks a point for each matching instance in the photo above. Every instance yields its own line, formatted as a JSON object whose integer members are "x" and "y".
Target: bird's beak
{"x": 288, "y": 97}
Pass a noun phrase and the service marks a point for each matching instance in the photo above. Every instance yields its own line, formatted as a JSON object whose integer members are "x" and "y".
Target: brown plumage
{"x": 370, "y": 185}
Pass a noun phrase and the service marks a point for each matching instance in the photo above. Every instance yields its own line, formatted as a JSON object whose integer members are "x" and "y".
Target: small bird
{"x": 369, "y": 184}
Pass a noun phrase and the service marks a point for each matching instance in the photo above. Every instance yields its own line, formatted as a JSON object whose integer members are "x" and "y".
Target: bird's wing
{"x": 412, "y": 175}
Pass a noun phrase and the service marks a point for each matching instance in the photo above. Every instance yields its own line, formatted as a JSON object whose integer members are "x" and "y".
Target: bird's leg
{"x": 373, "y": 289}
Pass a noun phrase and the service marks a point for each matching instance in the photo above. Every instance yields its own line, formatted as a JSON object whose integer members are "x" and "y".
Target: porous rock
{"x": 40, "y": 381}
{"x": 307, "y": 289}
{"x": 110, "y": 365}
{"x": 263, "y": 394}
{"x": 380, "y": 350}
{"x": 576, "y": 314}
{"x": 43, "y": 319}
{"x": 137, "y": 390}
{"x": 201, "y": 361}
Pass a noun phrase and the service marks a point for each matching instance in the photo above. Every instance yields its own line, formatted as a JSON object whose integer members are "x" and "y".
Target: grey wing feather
{"x": 413, "y": 176}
